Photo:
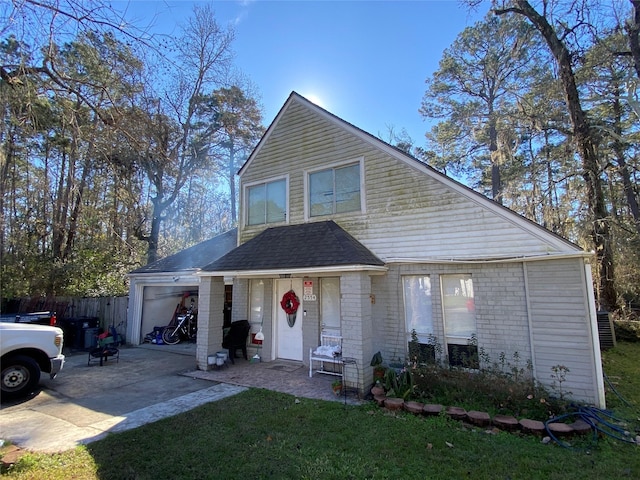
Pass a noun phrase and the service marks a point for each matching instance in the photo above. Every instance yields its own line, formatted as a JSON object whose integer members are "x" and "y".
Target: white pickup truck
{"x": 26, "y": 350}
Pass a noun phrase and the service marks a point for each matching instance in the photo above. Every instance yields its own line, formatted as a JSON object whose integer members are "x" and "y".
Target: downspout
{"x": 529, "y": 319}
{"x": 595, "y": 337}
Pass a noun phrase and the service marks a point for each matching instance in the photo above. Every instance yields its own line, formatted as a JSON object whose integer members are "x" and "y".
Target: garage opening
{"x": 161, "y": 304}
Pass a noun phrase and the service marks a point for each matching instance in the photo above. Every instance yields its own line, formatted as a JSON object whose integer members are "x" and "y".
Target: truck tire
{"x": 20, "y": 376}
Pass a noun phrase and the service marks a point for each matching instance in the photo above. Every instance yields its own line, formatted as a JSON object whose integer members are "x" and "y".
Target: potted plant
{"x": 336, "y": 386}
{"x": 378, "y": 368}
{"x": 377, "y": 389}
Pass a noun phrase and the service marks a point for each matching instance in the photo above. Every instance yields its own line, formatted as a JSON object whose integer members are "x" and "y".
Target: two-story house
{"x": 376, "y": 245}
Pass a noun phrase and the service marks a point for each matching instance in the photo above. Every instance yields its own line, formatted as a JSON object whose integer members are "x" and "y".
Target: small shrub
{"x": 399, "y": 384}
{"x": 627, "y": 330}
{"x": 505, "y": 387}
{"x": 485, "y": 390}
{"x": 424, "y": 353}
{"x": 559, "y": 376}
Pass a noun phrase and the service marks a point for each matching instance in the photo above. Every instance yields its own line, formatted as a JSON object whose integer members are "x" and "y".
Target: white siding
{"x": 409, "y": 214}
{"x": 554, "y": 301}
{"x": 417, "y": 215}
{"x": 561, "y": 331}
{"x": 500, "y": 302}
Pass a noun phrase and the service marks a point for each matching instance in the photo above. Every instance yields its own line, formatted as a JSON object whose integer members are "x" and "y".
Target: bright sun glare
{"x": 315, "y": 99}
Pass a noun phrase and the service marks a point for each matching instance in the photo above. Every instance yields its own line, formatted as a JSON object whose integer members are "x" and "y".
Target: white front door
{"x": 288, "y": 339}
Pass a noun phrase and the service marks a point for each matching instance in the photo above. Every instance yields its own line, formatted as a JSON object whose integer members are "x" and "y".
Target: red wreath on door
{"x": 290, "y": 302}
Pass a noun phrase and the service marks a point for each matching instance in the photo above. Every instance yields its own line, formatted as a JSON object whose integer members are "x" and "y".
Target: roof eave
{"x": 296, "y": 272}
{"x": 267, "y": 133}
{"x": 188, "y": 271}
{"x": 510, "y": 259}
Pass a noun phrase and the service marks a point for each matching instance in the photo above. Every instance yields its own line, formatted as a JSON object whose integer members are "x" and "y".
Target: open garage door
{"x": 160, "y": 304}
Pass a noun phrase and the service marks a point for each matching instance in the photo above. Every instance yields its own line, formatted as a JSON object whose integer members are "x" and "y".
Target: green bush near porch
{"x": 486, "y": 391}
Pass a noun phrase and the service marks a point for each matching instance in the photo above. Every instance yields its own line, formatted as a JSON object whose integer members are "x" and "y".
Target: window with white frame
{"x": 418, "y": 317}
{"x": 256, "y": 304}
{"x": 267, "y": 202}
{"x": 458, "y": 306}
{"x": 330, "y": 304}
{"x": 335, "y": 190}
{"x": 256, "y": 301}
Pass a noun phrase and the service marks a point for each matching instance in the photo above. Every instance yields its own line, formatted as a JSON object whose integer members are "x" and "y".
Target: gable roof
{"x": 298, "y": 247}
{"x": 559, "y": 242}
{"x": 195, "y": 257}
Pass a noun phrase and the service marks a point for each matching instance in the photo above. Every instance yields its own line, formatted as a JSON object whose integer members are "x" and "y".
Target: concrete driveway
{"x": 83, "y": 403}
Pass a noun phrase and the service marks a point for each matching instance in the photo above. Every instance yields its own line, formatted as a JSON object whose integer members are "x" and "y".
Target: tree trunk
{"x": 75, "y": 212}
{"x": 633, "y": 30}
{"x": 60, "y": 209}
{"x": 232, "y": 182}
{"x": 6, "y": 159}
{"x": 618, "y": 149}
{"x": 494, "y": 155}
{"x": 154, "y": 235}
{"x": 584, "y": 139}
{"x": 79, "y": 196}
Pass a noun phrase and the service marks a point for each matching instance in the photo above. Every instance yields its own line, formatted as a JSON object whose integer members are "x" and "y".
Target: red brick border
{"x": 483, "y": 419}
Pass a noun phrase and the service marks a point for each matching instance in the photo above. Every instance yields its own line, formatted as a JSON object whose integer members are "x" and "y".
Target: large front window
{"x": 267, "y": 202}
{"x": 458, "y": 304}
{"x": 418, "y": 317}
{"x": 335, "y": 190}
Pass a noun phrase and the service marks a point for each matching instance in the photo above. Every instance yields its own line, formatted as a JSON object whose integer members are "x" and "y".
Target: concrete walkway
{"x": 84, "y": 403}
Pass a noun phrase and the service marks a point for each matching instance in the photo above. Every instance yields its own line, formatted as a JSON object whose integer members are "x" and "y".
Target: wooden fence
{"x": 111, "y": 311}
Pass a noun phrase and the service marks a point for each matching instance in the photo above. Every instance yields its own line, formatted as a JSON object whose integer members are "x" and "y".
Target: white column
{"x": 134, "y": 312}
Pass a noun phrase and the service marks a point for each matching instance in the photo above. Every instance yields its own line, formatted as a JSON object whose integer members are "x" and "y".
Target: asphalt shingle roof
{"x": 307, "y": 245}
{"x": 195, "y": 257}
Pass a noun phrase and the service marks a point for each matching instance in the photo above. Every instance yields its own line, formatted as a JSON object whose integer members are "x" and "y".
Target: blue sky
{"x": 364, "y": 61}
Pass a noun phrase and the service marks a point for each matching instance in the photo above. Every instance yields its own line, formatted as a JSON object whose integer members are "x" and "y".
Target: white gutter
{"x": 383, "y": 269}
{"x": 522, "y": 258}
{"x": 529, "y": 321}
{"x": 296, "y": 272}
{"x": 177, "y": 273}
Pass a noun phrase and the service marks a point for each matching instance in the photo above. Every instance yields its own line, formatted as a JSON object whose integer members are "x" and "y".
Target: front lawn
{"x": 263, "y": 434}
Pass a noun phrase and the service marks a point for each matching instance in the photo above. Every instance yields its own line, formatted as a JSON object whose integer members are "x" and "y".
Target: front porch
{"x": 280, "y": 376}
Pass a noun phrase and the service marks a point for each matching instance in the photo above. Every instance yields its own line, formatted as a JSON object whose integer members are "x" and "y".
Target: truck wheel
{"x": 20, "y": 375}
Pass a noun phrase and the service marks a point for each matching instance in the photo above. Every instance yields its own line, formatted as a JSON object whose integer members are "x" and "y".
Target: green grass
{"x": 262, "y": 434}
{"x": 622, "y": 369}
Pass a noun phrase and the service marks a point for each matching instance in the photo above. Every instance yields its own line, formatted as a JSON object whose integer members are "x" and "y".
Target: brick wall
{"x": 210, "y": 319}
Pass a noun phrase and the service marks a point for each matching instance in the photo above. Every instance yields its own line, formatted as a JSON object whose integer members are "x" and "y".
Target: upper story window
{"x": 335, "y": 190}
{"x": 267, "y": 202}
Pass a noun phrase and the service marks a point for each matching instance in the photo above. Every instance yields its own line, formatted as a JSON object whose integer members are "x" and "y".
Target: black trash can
{"x": 74, "y": 330}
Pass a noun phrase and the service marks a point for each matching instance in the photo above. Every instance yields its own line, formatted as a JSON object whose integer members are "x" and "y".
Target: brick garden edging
{"x": 484, "y": 420}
